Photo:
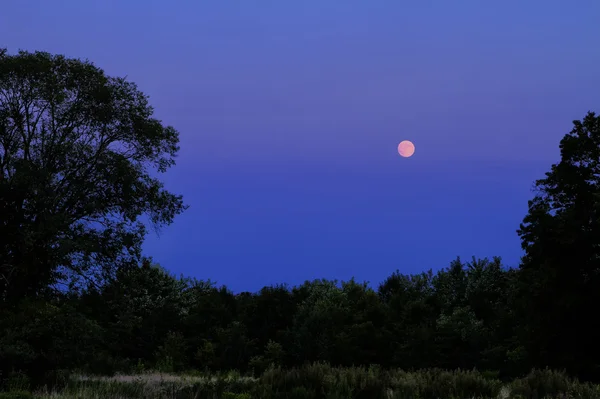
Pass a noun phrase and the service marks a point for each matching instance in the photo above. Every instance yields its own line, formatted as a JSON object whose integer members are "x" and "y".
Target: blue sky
{"x": 290, "y": 114}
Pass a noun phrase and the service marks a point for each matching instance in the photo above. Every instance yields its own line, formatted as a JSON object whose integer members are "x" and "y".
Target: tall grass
{"x": 320, "y": 381}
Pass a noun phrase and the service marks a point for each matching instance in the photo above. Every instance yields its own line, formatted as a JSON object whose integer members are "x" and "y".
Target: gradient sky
{"x": 290, "y": 113}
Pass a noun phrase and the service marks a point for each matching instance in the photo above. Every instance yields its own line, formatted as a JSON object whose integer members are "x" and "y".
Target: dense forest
{"x": 80, "y": 156}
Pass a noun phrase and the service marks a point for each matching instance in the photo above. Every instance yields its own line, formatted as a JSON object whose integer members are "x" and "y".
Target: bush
{"x": 139, "y": 367}
{"x": 205, "y": 355}
{"x": 16, "y": 395}
{"x": 437, "y": 383}
{"x": 301, "y": 393}
{"x": 18, "y": 381}
{"x": 323, "y": 381}
{"x": 171, "y": 356}
{"x": 272, "y": 357}
{"x": 104, "y": 364}
{"x": 584, "y": 391}
{"x": 57, "y": 379}
{"x": 165, "y": 364}
{"x": 230, "y": 395}
{"x": 541, "y": 383}
{"x": 373, "y": 383}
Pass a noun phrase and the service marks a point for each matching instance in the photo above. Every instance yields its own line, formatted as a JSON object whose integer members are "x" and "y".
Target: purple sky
{"x": 290, "y": 113}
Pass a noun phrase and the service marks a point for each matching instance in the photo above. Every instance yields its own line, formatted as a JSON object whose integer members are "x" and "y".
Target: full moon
{"x": 406, "y": 148}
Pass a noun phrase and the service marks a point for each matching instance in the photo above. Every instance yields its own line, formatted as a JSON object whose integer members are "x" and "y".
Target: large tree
{"x": 560, "y": 272}
{"x": 79, "y": 156}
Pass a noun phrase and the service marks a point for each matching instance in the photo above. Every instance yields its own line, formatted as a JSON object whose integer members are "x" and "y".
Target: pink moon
{"x": 406, "y": 149}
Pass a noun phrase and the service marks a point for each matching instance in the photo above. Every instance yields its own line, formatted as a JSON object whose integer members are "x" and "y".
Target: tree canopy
{"x": 560, "y": 272}
{"x": 79, "y": 152}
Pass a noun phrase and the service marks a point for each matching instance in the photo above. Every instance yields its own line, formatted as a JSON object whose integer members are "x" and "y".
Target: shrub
{"x": 301, "y": 393}
{"x": 437, "y": 383}
{"x": 171, "y": 356}
{"x": 541, "y": 383}
{"x": 105, "y": 364}
{"x": 165, "y": 364}
{"x": 584, "y": 391}
{"x": 230, "y": 395}
{"x": 140, "y": 367}
{"x": 57, "y": 379}
{"x": 16, "y": 395}
{"x": 272, "y": 357}
{"x": 18, "y": 381}
{"x": 205, "y": 355}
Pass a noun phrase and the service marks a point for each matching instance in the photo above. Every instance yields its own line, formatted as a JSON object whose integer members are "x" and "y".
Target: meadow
{"x": 308, "y": 382}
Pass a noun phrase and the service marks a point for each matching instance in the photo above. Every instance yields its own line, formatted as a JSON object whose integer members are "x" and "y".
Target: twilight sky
{"x": 290, "y": 113}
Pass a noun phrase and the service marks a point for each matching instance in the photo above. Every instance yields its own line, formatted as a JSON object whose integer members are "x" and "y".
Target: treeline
{"x": 78, "y": 152}
{"x": 463, "y": 316}
{"x": 456, "y": 318}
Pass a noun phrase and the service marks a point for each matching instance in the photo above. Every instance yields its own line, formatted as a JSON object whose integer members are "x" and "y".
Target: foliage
{"x": 322, "y": 381}
{"x": 16, "y": 395}
{"x": 560, "y": 273}
{"x": 79, "y": 156}
{"x": 77, "y": 150}
{"x": 18, "y": 382}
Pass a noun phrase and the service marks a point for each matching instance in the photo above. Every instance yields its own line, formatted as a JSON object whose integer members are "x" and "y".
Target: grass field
{"x": 315, "y": 381}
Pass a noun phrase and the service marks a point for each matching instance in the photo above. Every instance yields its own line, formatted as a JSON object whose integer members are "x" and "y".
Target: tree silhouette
{"x": 76, "y": 151}
{"x": 560, "y": 272}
